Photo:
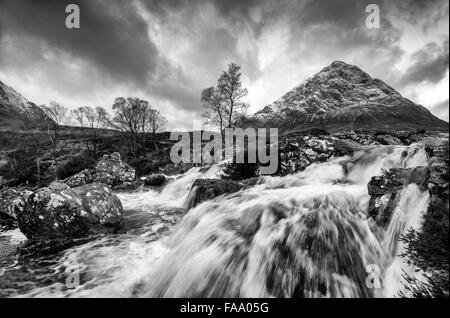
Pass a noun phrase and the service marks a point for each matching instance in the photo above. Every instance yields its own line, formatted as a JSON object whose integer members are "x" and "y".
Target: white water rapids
{"x": 302, "y": 235}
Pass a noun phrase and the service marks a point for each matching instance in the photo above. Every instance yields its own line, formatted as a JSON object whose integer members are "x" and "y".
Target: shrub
{"x": 74, "y": 165}
{"x": 240, "y": 171}
{"x": 150, "y": 164}
{"x": 21, "y": 165}
{"x": 429, "y": 251}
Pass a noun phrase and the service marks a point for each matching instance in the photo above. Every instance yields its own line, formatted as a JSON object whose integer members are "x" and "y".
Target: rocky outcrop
{"x": 128, "y": 186}
{"x": 208, "y": 189}
{"x": 384, "y": 190}
{"x": 433, "y": 178}
{"x": 59, "y": 211}
{"x": 110, "y": 170}
{"x": 298, "y": 152}
{"x": 16, "y": 112}
{"x": 366, "y": 138}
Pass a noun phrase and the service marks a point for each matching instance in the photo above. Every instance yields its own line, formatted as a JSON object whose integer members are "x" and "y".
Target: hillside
{"x": 16, "y": 112}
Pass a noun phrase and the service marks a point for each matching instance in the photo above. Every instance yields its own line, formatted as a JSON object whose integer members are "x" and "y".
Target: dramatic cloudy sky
{"x": 168, "y": 50}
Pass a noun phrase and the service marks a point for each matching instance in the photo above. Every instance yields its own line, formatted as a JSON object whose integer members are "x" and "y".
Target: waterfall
{"x": 302, "y": 235}
{"x": 305, "y": 235}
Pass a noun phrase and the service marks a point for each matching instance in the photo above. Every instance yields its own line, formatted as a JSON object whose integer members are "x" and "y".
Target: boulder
{"x": 155, "y": 180}
{"x": 111, "y": 170}
{"x": 82, "y": 178}
{"x": 101, "y": 203}
{"x": 8, "y": 199}
{"x": 58, "y": 211}
{"x": 208, "y": 189}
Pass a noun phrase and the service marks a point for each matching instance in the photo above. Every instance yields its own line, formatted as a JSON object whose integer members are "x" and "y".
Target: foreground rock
{"x": 110, "y": 170}
{"x": 208, "y": 189}
{"x": 8, "y": 199}
{"x": 155, "y": 180}
{"x": 59, "y": 212}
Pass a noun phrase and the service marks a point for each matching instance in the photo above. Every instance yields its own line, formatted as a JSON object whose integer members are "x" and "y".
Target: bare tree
{"x": 127, "y": 119}
{"x": 223, "y": 103}
{"x": 230, "y": 85}
{"x": 92, "y": 119}
{"x": 136, "y": 118}
{"x": 213, "y": 101}
{"x": 144, "y": 109}
{"x": 58, "y": 114}
{"x": 156, "y": 121}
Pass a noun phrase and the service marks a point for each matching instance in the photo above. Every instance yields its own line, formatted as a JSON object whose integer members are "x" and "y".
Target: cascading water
{"x": 303, "y": 235}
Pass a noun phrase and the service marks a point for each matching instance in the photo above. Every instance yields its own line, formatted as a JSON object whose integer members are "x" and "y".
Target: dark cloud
{"x": 112, "y": 36}
{"x": 170, "y": 49}
{"x": 425, "y": 12}
{"x": 430, "y": 65}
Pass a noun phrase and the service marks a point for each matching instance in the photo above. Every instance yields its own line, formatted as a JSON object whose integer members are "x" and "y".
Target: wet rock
{"x": 155, "y": 180}
{"x": 384, "y": 190}
{"x": 128, "y": 186}
{"x": 111, "y": 170}
{"x": 395, "y": 179}
{"x": 387, "y": 139}
{"x": 434, "y": 178}
{"x": 208, "y": 189}
{"x": 174, "y": 169}
{"x": 58, "y": 212}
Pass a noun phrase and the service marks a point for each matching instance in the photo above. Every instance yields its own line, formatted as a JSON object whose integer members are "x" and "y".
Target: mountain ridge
{"x": 343, "y": 97}
{"x": 17, "y": 112}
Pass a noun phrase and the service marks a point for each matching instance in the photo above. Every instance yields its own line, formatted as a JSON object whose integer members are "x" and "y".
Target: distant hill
{"x": 16, "y": 112}
{"x": 343, "y": 97}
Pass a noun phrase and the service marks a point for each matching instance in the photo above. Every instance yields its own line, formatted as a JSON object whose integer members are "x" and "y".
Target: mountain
{"x": 16, "y": 112}
{"x": 343, "y": 97}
